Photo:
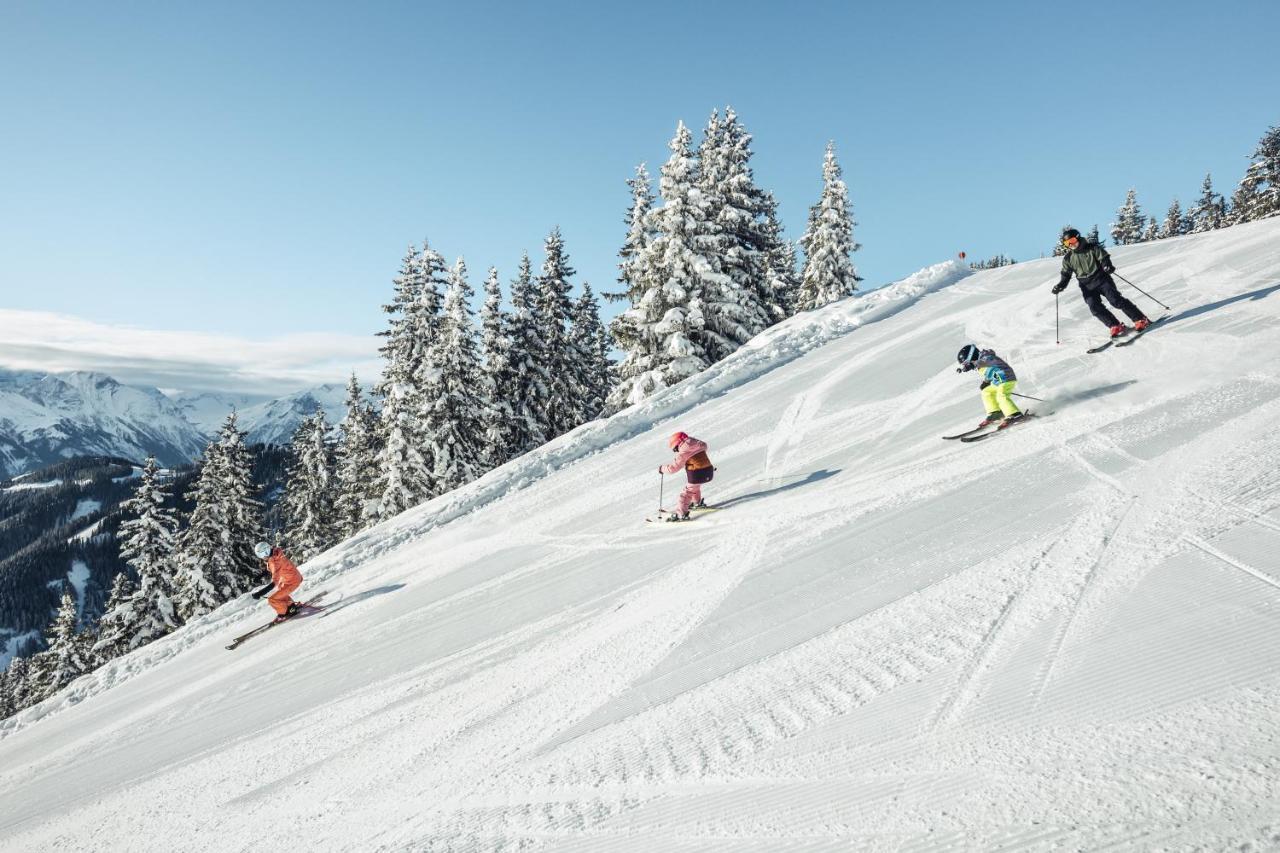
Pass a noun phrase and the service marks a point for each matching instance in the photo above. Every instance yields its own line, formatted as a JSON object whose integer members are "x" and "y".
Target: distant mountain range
{"x": 46, "y": 417}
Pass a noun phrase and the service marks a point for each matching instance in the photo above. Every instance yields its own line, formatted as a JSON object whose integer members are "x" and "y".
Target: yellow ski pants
{"x": 997, "y": 397}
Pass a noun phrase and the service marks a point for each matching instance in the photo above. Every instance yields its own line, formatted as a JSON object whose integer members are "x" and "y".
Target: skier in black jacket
{"x": 1092, "y": 268}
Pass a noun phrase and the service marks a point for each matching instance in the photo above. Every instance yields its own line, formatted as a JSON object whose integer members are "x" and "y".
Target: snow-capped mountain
{"x": 47, "y": 417}
{"x": 1064, "y": 638}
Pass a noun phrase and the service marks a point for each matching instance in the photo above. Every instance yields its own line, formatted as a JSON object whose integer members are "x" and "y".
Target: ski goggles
{"x": 1071, "y": 242}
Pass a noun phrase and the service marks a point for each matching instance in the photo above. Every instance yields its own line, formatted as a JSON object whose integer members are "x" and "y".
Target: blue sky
{"x": 253, "y": 170}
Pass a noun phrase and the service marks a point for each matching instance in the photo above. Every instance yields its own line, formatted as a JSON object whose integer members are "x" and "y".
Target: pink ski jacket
{"x": 691, "y": 455}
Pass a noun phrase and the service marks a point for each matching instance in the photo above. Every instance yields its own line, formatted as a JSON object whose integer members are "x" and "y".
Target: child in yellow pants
{"x": 998, "y": 382}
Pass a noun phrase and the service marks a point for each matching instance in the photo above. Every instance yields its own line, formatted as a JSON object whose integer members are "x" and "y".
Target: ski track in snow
{"x": 1065, "y": 638}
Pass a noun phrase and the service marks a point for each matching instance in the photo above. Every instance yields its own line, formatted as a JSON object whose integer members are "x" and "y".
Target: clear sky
{"x": 257, "y": 169}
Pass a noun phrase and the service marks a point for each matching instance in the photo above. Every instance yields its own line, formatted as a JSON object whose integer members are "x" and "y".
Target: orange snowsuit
{"x": 285, "y": 575}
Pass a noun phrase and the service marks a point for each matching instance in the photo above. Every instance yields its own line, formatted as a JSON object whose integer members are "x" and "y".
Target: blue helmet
{"x": 262, "y": 549}
{"x": 968, "y": 354}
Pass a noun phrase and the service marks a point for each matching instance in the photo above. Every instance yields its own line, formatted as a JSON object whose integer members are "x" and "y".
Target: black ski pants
{"x": 1103, "y": 285}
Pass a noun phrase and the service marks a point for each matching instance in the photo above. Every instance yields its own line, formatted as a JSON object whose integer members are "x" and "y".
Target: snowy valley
{"x": 1067, "y": 636}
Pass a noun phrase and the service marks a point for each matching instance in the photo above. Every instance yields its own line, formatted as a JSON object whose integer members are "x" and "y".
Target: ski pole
{"x": 1057, "y": 333}
{"x": 661, "y": 481}
{"x": 1026, "y": 397}
{"x": 1143, "y": 292}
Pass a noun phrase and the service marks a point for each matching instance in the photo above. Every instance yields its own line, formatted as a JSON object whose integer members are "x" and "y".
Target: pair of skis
{"x": 306, "y": 608}
{"x": 1127, "y": 341}
{"x": 985, "y": 431}
{"x": 694, "y": 512}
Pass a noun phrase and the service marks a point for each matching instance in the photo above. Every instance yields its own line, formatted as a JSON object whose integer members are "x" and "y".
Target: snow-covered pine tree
{"x": 310, "y": 521}
{"x": 631, "y": 271}
{"x": 404, "y": 469}
{"x": 1172, "y": 225}
{"x": 560, "y": 360}
{"x": 1095, "y": 237}
{"x": 1152, "y": 231}
{"x": 1206, "y": 213}
{"x": 828, "y": 242}
{"x": 15, "y": 687}
{"x": 781, "y": 277}
{"x": 68, "y": 655}
{"x": 452, "y": 408}
{"x": 677, "y": 277}
{"x": 147, "y": 545}
{"x": 1127, "y": 229}
{"x": 1258, "y": 195}
{"x": 529, "y": 389}
{"x": 118, "y": 620}
{"x": 736, "y": 237}
{"x": 592, "y": 341}
{"x": 1058, "y": 249}
{"x": 496, "y": 376}
{"x": 356, "y": 465}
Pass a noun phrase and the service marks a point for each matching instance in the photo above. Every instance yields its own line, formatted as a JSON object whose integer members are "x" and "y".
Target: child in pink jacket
{"x": 691, "y": 455}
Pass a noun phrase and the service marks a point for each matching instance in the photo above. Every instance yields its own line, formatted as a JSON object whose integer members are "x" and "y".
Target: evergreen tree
{"x": 1258, "y": 195}
{"x": 782, "y": 280}
{"x": 529, "y": 388}
{"x": 1207, "y": 213}
{"x": 1094, "y": 237}
{"x": 453, "y": 410}
{"x": 1152, "y": 231}
{"x": 1172, "y": 225}
{"x": 592, "y": 341}
{"x": 404, "y": 466}
{"x": 561, "y": 361}
{"x": 16, "y": 687}
{"x": 828, "y": 243}
{"x": 1127, "y": 228}
{"x": 68, "y": 655}
{"x": 736, "y": 238}
{"x": 147, "y": 545}
{"x": 1058, "y": 249}
{"x": 216, "y": 560}
{"x": 309, "y": 516}
{"x": 496, "y": 376}
{"x": 631, "y": 271}
{"x": 118, "y": 621}
{"x": 356, "y": 466}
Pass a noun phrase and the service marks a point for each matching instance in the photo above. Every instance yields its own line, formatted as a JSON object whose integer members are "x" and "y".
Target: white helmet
{"x": 262, "y": 549}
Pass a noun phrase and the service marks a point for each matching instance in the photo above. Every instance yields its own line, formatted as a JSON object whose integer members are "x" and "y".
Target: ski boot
{"x": 699, "y": 504}
{"x": 1141, "y": 324}
{"x": 1011, "y": 420}
{"x": 1119, "y": 330}
{"x": 991, "y": 418}
{"x": 675, "y": 516}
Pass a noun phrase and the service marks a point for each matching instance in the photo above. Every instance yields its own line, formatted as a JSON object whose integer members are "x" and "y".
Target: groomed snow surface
{"x": 1065, "y": 637}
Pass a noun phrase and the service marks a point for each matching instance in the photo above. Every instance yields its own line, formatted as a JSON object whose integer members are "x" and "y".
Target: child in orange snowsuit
{"x": 691, "y": 456}
{"x": 285, "y": 578}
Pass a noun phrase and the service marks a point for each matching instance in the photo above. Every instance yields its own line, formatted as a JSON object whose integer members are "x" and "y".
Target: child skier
{"x": 691, "y": 455}
{"x": 1092, "y": 268}
{"x": 998, "y": 382}
{"x": 285, "y": 578}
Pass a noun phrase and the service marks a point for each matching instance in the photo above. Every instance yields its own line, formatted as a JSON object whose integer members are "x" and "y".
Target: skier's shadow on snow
{"x": 809, "y": 479}
{"x": 361, "y": 596}
{"x": 1260, "y": 293}
{"x": 1090, "y": 393}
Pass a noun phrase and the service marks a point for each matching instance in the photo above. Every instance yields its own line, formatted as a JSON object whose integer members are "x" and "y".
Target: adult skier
{"x": 691, "y": 455}
{"x": 285, "y": 578}
{"x": 1092, "y": 268}
{"x": 998, "y": 382}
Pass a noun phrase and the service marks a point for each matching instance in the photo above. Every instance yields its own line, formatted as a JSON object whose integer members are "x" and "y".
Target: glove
{"x": 1108, "y": 268}
{"x": 984, "y": 385}
{"x": 1058, "y": 288}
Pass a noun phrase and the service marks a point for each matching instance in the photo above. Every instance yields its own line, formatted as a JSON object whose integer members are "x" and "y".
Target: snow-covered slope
{"x": 1067, "y": 636}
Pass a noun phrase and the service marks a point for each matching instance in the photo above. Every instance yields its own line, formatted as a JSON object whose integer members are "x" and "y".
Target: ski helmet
{"x": 675, "y": 439}
{"x": 262, "y": 549}
{"x": 1070, "y": 234}
{"x": 968, "y": 353}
